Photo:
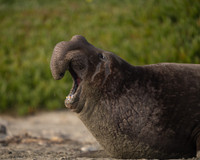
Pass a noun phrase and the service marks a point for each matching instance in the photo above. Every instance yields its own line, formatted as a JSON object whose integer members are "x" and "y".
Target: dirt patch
{"x": 55, "y": 135}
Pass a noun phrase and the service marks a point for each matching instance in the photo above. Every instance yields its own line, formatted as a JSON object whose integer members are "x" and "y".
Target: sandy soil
{"x": 55, "y": 135}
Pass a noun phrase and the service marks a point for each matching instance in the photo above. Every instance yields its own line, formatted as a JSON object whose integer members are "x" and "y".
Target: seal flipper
{"x": 196, "y": 139}
{"x": 198, "y": 147}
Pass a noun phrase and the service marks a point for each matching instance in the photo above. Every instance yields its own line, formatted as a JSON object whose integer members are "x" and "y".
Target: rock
{"x": 3, "y": 129}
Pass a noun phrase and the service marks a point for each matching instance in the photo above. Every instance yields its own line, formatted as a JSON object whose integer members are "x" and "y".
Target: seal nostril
{"x": 61, "y": 74}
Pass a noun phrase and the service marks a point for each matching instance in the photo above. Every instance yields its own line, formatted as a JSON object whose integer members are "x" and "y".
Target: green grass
{"x": 141, "y": 32}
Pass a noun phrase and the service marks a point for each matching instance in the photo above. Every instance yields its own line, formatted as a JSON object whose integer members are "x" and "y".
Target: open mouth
{"x": 77, "y": 80}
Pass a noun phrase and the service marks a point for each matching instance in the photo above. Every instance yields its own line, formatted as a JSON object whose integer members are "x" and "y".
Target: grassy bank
{"x": 141, "y": 32}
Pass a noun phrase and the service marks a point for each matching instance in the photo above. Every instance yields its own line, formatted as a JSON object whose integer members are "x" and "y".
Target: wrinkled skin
{"x": 150, "y": 111}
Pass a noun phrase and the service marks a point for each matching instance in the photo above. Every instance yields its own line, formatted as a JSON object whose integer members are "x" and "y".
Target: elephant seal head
{"x": 94, "y": 71}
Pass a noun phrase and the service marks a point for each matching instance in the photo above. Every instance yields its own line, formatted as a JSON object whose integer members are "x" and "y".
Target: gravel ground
{"x": 52, "y": 135}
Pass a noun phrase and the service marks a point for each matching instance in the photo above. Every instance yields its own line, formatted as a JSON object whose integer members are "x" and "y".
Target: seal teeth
{"x": 69, "y": 98}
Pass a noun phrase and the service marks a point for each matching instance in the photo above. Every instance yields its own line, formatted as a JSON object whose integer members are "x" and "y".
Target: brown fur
{"x": 150, "y": 111}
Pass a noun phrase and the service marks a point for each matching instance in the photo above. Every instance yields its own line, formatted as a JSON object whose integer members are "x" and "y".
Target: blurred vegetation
{"x": 140, "y": 31}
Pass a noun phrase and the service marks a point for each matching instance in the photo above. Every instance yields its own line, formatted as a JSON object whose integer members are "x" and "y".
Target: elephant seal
{"x": 150, "y": 111}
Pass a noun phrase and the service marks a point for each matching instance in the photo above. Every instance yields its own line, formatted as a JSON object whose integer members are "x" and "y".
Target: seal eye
{"x": 100, "y": 55}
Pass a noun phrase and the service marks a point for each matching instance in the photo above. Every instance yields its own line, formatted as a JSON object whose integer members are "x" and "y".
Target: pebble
{"x": 3, "y": 129}
{"x": 89, "y": 148}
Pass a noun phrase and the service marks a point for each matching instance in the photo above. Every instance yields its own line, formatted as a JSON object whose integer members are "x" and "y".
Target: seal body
{"x": 150, "y": 111}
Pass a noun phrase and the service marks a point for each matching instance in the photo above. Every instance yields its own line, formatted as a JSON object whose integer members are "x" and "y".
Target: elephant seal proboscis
{"x": 150, "y": 111}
